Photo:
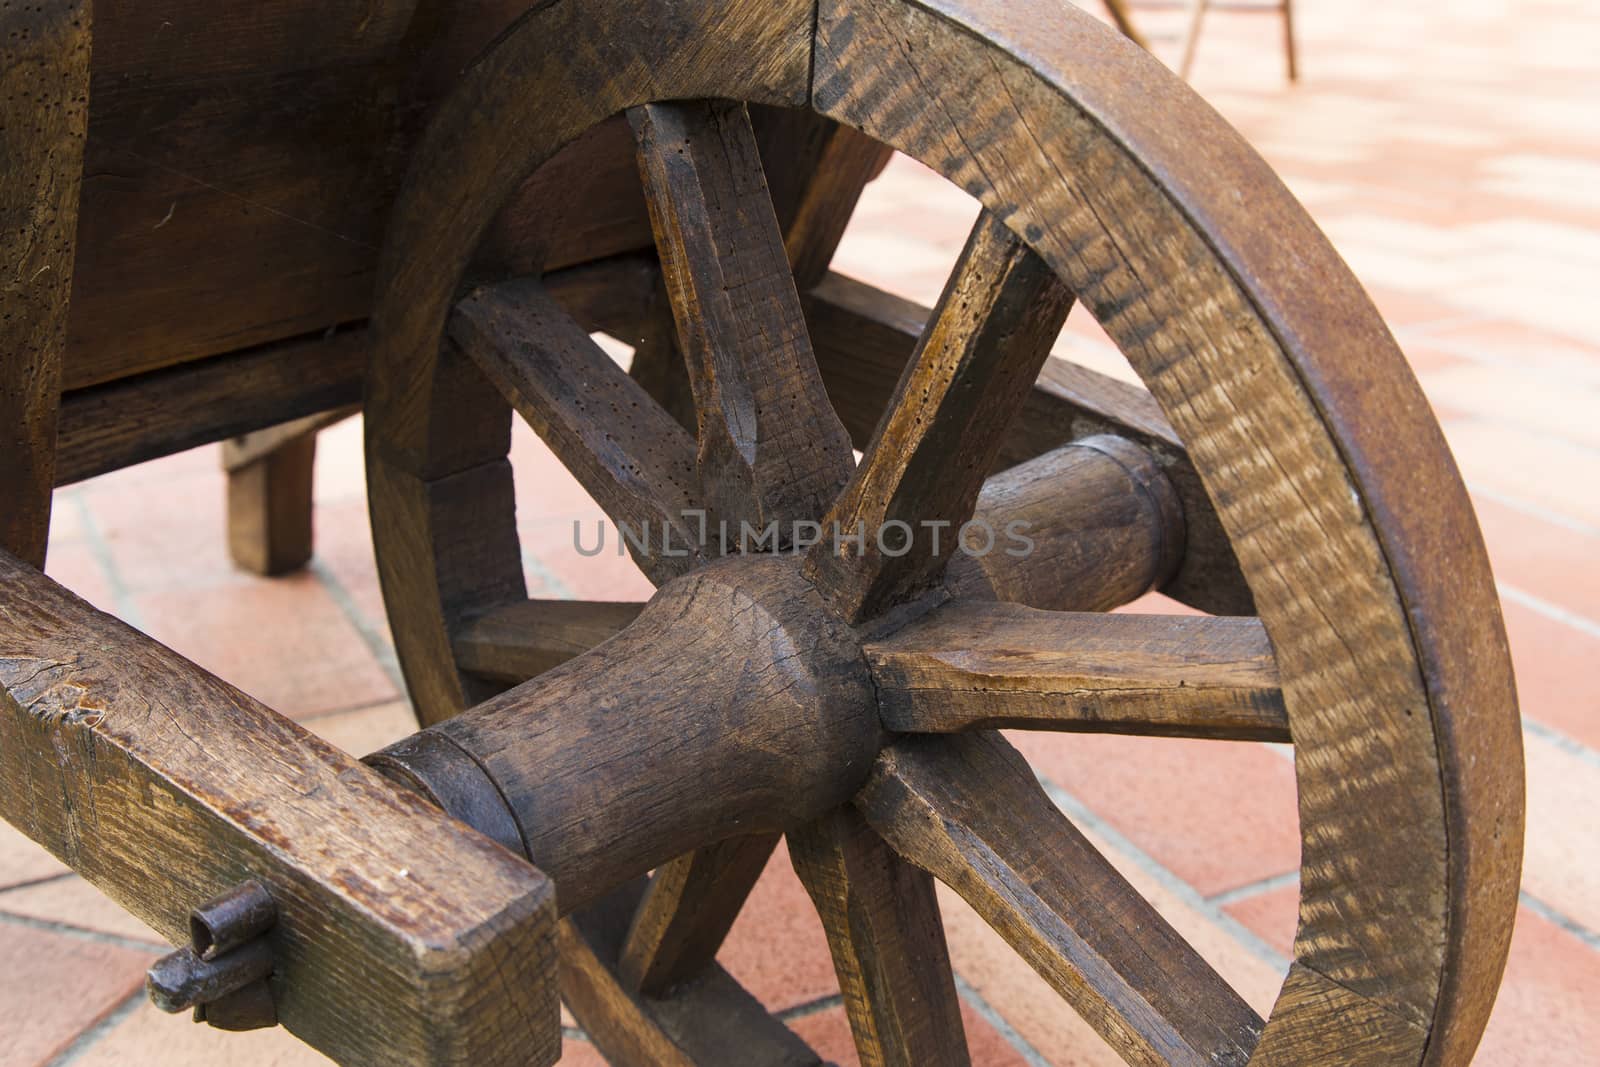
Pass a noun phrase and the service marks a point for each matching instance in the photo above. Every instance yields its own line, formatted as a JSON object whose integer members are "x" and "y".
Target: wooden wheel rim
{"x": 1308, "y": 429}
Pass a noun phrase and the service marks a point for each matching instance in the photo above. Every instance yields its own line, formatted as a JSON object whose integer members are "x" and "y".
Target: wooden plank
{"x": 863, "y": 339}
{"x": 687, "y": 911}
{"x": 847, "y": 161}
{"x": 517, "y": 641}
{"x": 771, "y": 450}
{"x": 402, "y": 937}
{"x": 967, "y": 809}
{"x": 707, "y": 1022}
{"x": 635, "y": 462}
{"x": 887, "y": 940}
{"x": 245, "y": 449}
{"x": 926, "y": 463}
{"x": 44, "y": 87}
{"x": 245, "y": 161}
{"x": 972, "y": 665}
{"x": 108, "y": 427}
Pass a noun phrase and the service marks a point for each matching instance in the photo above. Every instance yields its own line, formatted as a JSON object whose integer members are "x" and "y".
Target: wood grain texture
{"x": 1262, "y": 351}
{"x": 771, "y": 450}
{"x": 968, "y": 809}
{"x": 887, "y": 940}
{"x": 1090, "y": 526}
{"x": 972, "y": 665}
{"x": 711, "y": 1020}
{"x": 846, "y": 162}
{"x": 754, "y": 705}
{"x": 926, "y": 463}
{"x": 686, "y": 913}
{"x": 44, "y": 107}
{"x": 630, "y": 456}
{"x": 402, "y": 937}
{"x": 863, "y": 339}
{"x": 515, "y": 642}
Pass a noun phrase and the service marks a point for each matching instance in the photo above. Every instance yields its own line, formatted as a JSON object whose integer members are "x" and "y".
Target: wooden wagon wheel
{"x": 849, "y": 698}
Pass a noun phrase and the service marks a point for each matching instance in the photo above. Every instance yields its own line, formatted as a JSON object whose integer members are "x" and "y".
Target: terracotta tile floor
{"x": 1451, "y": 150}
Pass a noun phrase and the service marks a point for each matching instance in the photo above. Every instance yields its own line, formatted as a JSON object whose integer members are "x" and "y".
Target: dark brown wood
{"x": 864, "y": 337}
{"x": 633, "y": 459}
{"x": 846, "y": 162}
{"x": 771, "y": 450}
{"x": 1257, "y": 342}
{"x": 972, "y": 665}
{"x": 968, "y": 809}
{"x": 515, "y": 642}
{"x": 752, "y": 700}
{"x": 402, "y": 937}
{"x": 44, "y": 108}
{"x": 269, "y": 504}
{"x": 147, "y": 416}
{"x": 887, "y": 940}
{"x": 1088, "y": 527}
{"x": 711, "y": 1020}
{"x": 927, "y": 461}
{"x": 687, "y": 911}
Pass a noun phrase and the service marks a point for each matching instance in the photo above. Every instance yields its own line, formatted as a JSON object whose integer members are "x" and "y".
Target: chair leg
{"x": 1191, "y": 38}
{"x": 44, "y": 92}
{"x": 269, "y": 505}
{"x": 1118, "y": 10}
{"x": 1288, "y": 40}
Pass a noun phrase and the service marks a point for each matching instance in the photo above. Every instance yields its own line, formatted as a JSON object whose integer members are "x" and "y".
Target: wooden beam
{"x": 399, "y": 932}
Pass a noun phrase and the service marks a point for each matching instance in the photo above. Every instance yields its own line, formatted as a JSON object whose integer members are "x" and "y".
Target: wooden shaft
{"x": 737, "y": 703}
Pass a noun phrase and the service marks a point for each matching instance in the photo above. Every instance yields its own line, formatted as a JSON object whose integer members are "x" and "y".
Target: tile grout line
{"x": 809, "y": 1008}
{"x": 1576, "y": 749}
{"x": 91, "y": 1036}
{"x": 1252, "y": 889}
{"x": 121, "y": 598}
{"x": 32, "y": 882}
{"x": 1531, "y": 509}
{"x": 1002, "y": 1026}
{"x": 1551, "y": 915}
{"x": 381, "y": 650}
{"x": 1187, "y": 894}
{"x": 83, "y": 933}
{"x": 1554, "y": 612}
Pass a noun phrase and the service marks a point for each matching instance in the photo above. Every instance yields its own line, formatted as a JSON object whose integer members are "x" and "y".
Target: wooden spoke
{"x": 517, "y": 641}
{"x": 676, "y": 1031}
{"x": 968, "y": 809}
{"x": 864, "y": 337}
{"x": 887, "y": 940}
{"x": 687, "y": 911}
{"x": 628, "y": 453}
{"x": 771, "y": 449}
{"x": 974, "y": 665}
{"x": 848, "y": 160}
{"x": 992, "y": 331}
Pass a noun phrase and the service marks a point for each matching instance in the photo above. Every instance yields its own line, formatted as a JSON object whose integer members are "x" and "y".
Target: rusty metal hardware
{"x": 223, "y": 972}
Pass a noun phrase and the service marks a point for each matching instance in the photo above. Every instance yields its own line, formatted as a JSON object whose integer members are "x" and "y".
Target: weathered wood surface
{"x": 515, "y": 642}
{"x": 402, "y": 937}
{"x": 269, "y": 501}
{"x": 887, "y": 940}
{"x": 968, "y": 809}
{"x": 752, "y": 701}
{"x": 1257, "y": 343}
{"x": 44, "y": 106}
{"x": 771, "y": 450}
{"x": 928, "y": 459}
{"x": 635, "y": 462}
{"x": 971, "y": 665}
{"x": 863, "y": 339}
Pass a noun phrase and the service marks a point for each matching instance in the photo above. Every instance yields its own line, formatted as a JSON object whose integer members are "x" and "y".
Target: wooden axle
{"x": 738, "y": 703}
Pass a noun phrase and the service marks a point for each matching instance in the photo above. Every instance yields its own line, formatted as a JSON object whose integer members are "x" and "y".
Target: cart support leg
{"x": 44, "y": 108}
{"x": 270, "y": 493}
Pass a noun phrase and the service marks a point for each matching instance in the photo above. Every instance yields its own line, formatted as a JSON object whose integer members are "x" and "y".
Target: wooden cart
{"x": 219, "y": 218}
